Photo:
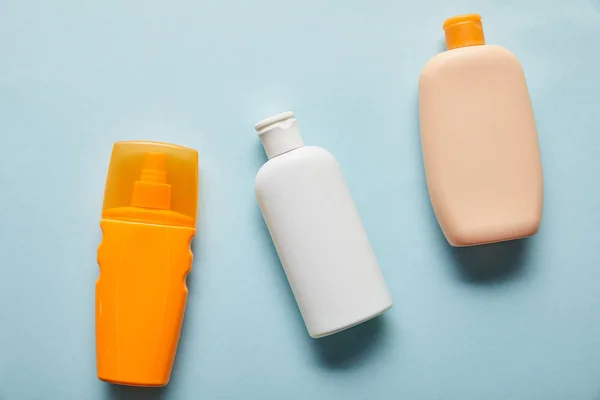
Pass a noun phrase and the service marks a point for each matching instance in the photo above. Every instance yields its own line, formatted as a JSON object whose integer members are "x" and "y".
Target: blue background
{"x": 511, "y": 321}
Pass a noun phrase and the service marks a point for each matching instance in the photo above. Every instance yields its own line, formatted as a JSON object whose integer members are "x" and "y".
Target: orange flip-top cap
{"x": 152, "y": 175}
{"x": 463, "y": 30}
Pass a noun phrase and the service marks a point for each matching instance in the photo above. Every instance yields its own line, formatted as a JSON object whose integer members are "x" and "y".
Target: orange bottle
{"x": 148, "y": 222}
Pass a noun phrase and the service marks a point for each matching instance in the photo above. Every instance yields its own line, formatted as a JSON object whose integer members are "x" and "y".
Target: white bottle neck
{"x": 279, "y": 134}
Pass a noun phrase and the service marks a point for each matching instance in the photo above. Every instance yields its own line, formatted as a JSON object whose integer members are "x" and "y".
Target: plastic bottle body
{"x": 140, "y": 300}
{"x": 320, "y": 239}
{"x": 480, "y": 146}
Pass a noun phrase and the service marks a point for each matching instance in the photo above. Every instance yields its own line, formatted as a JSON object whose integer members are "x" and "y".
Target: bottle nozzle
{"x": 154, "y": 168}
{"x": 279, "y": 134}
{"x": 152, "y": 191}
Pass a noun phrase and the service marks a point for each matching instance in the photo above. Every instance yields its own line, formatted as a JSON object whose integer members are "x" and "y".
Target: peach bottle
{"x": 148, "y": 222}
{"x": 480, "y": 146}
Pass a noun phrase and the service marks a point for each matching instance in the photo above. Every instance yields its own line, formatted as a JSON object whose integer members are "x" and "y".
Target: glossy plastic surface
{"x": 140, "y": 300}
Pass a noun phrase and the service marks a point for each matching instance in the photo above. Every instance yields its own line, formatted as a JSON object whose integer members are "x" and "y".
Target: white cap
{"x": 279, "y": 134}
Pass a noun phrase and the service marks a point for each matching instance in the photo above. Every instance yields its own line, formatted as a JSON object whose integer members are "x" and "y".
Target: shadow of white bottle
{"x": 317, "y": 231}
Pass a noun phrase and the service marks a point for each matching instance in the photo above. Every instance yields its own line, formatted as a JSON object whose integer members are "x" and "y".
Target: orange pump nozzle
{"x": 463, "y": 30}
{"x": 152, "y": 191}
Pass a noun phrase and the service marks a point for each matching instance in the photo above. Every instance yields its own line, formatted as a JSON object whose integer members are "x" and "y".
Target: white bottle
{"x": 317, "y": 231}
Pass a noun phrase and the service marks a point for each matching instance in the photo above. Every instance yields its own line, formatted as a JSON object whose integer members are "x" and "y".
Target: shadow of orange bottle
{"x": 148, "y": 222}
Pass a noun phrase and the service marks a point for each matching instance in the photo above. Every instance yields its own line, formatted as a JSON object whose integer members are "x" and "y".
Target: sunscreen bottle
{"x": 148, "y": 222}
{"x": 317, "y": 231}
{"x": 479, "y": 140}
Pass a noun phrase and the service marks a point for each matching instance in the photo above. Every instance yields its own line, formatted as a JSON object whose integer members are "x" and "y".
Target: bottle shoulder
{"x": 468, "y": 57}
{"x": 148, "y": 216}
{"x": 293, "y": 162}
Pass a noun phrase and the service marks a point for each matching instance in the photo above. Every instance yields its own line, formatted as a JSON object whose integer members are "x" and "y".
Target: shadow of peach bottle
{"x": 480, "y": 144}
{"x": 148, "y": 222}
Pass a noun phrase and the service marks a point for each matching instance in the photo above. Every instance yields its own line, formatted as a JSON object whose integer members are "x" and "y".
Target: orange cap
{"x": 152, "y": 175}
{"x": 463, "y": 30}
